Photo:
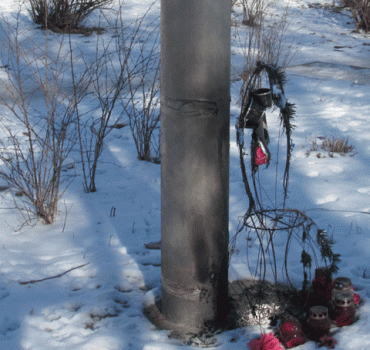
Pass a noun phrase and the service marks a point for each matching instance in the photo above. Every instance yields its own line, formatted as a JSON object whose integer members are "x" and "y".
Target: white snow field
{"x": 99, "y": 305}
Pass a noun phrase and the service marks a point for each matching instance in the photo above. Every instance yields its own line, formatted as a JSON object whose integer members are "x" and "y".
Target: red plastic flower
{"x": 291, "y": 333}
{"x": 260, "y": 157}
{"x": 255, "y": 344}
{"x": 356, "y": 298}
{"x": 265, "y": 342}
{"x": 329, "y": 342}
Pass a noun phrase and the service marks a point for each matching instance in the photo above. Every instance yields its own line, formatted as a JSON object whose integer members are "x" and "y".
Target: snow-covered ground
{"x": 99, "y": 305}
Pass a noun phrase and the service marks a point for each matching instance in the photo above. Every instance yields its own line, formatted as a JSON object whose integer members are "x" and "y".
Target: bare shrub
{"x": 143, "y": 106}
{"x": 63, "y": 15}
{"x": 38, "y": 132}
{"x": 262, "y": 41}
{"x": 253, "y": 11}
{"x": 118, "y": 65}
{"x": 108, "y": 81}
{"x": 360, "y": 10}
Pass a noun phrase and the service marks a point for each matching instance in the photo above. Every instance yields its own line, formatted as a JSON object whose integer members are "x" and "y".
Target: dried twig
{"x": 51, "y": 277}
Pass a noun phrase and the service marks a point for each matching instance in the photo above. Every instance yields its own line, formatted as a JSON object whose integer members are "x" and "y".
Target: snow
{"x": 99, "y": 305}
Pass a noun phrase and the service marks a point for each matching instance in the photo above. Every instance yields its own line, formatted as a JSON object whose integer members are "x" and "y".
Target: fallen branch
{"x": 56, "y": 276}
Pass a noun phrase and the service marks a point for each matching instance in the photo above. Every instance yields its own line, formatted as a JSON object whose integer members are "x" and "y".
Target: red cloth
{"x": 265, "y": 342}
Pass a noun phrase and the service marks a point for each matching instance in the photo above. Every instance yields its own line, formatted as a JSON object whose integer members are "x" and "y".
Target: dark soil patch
{"x": 260, "y": 302}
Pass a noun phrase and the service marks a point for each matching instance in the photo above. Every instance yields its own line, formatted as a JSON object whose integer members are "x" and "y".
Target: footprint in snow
{"x": 3, "y": 293}
{"x": 361, "y": 271}
{"x": 337, "y": 169}
{"x": 7, "y": 326}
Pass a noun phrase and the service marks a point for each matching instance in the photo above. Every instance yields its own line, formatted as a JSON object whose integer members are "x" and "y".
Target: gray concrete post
{"x": 195, "y": 122}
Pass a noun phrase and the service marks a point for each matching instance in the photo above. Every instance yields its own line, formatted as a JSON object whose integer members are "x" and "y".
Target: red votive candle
{"x": 319, "y": 322}
{"x": 342, "y": 284}
{"x": 344, "y": 312}
{"x": 323, "y": 285}
{"x": 291, "y": 332}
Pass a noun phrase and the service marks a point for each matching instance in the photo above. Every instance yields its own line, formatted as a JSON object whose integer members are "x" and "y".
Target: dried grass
{"x": 332, "y": 145}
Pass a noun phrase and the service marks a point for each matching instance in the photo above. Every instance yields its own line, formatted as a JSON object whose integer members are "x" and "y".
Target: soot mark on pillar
{"x": 200, "y": 250}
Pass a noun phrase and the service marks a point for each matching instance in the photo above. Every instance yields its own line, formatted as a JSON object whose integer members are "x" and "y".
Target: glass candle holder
{"x": 342, "y": 284}
{"x": 291, "y": 333}
{"x": 323, "y": 285}
{"x": 319, "y": 322}
{"x": 344, "y": 311}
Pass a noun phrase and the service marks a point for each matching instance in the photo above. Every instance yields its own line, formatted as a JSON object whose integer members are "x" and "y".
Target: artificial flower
{"x": 261, "y": 157}
{"x": 356, "y": 298}
{"x": 291, "y": 332}
{"x": 329, "y": 342}
{"x": 265, "y": 342}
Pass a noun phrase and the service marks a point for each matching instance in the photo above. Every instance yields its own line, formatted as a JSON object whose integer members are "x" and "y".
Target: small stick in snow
{"x": 56, "y": 276}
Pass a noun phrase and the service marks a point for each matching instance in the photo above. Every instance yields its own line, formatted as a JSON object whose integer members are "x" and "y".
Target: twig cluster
{"x": 259, "y": 40}
{"x": 63, "y": 16}
{"x": 360, "y": 10}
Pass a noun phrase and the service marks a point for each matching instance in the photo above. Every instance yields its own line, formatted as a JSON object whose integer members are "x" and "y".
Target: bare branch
{"x": 51, "y": 277}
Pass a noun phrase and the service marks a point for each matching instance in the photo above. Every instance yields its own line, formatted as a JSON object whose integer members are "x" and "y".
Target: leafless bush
{"x": 143, "y": 106}
{"x": 118, "y": 65}
{"x": 63, "y": 15}
{"x": 262, "y": 41}
{"x": 38, "y": 132}
{"x": 253, "y": 11}
{"x": 360, "y": 10}
{"x": 108, "y": 81}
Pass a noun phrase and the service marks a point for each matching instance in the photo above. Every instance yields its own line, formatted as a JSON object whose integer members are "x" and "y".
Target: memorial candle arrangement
{"x": 338, "y": 295}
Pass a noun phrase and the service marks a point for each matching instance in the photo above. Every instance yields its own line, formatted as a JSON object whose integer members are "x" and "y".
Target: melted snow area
{"x": 99, "y": 305}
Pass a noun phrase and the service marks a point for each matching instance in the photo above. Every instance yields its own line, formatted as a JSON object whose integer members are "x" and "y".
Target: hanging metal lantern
{"x": 260, "y": 100}
{"x": 344, "y": 312}
{"x": 263, "y": 97}
{"x": 319, "y": 322}
{"x": 254, "y": 114}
